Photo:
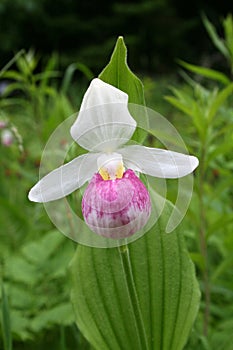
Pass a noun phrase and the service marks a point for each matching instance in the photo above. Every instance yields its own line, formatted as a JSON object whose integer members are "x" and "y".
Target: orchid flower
{"x": 115, "y": 203}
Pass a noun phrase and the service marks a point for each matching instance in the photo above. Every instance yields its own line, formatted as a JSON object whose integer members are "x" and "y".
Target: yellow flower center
{"x": 110, "y": 166}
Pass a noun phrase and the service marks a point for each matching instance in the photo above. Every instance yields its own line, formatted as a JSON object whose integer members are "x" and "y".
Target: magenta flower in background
{"x": 116, "y": 203}
{"x": 3, "y": 124}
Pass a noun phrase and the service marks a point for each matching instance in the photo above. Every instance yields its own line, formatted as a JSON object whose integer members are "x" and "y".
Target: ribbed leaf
{"x": 142, "y": 296}
{"x": 118, "y": 74}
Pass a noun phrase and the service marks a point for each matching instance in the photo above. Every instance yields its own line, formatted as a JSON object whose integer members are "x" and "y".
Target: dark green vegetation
{"x": 34, "y": 257}
{"x": 160, "y": 30}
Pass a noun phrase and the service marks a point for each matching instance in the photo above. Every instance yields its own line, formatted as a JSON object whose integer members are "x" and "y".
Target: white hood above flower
{"x": 104, "y": 122}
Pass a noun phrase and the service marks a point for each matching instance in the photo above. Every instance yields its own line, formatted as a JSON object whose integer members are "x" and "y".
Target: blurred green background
{"x": 49, "y": 51}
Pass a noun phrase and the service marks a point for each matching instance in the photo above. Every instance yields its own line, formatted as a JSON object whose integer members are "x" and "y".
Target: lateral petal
{"x": 65, "y": 179}
{"x": 158, "y": 162}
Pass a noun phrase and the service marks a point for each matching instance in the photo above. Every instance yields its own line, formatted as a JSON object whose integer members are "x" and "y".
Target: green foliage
{"x": 6, "y": 323}
{"x": 42, "y": 266}
{"x": 206, "y": 72}
{"x": 202, "y": 107}
{"x": 224, "y": 46}
{"x": 209, "y": 119}
{"x": 33, "y": 255}
{"x": 140, "y": 296}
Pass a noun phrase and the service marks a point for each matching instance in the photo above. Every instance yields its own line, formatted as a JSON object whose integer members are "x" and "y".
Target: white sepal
{"x": 104, "y": 122}
{"x": 100, "y": 93}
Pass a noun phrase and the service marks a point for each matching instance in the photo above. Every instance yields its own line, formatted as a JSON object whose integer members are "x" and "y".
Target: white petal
{"x": 65, "y": 179}
{"x": 158, "y": 162}
{"x": 104, "y": 122}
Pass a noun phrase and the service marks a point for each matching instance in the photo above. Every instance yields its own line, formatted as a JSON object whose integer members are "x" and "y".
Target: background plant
{"x": 208, "y": 107}
{"x": 34, "y": 256}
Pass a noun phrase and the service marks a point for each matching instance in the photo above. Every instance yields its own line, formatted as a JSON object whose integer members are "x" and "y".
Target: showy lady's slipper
{"x": 116, "y": 203}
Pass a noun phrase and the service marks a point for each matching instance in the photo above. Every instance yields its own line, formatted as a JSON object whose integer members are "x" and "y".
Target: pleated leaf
{"x": 143, "y": 296}
{"x": 118, "y": 74}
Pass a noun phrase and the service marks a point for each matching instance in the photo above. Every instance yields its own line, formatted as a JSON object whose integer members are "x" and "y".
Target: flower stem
{"x": 136, "y": 307}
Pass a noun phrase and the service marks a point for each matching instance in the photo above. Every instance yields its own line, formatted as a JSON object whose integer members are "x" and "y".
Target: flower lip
{"x": 122, "y": 231}
{"x": 121, "y": 204}
{"x": 109, "y": 196}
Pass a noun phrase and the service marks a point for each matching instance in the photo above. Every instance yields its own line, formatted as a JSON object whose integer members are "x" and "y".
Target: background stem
{"x": 202, "y": 242}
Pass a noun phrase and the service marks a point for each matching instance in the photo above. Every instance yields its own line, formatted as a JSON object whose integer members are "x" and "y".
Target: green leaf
{"x": 12, "y": 61}
{"x": 118, "y": 74}
{"x": 219, "y": 100}
{"x": 141, "y": 296}
{"x": 179, "y": 105}
{"x": 6, "y": 324}
{"x": 206, "y": 72}
{"x": 45, "y": 76}
{"x": 228, "y": 29}
{"x": 224, "y": 266}
{"x": 69, "y": 73}
{"x": 217, "y": 41}
{"x": 14, "y": 75}
{"x": 59, "y": 315}
{"x": 12, "y": 88}
{"x": 218, "y": 150}
{"x": 18, "y": 269}
{"x": 38, "y": 253}
{"x": 219, "y": 225}
{"x": 21, "y": 324}
{"x": 189, "y": 107}
{"x": 50, "y": 68}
